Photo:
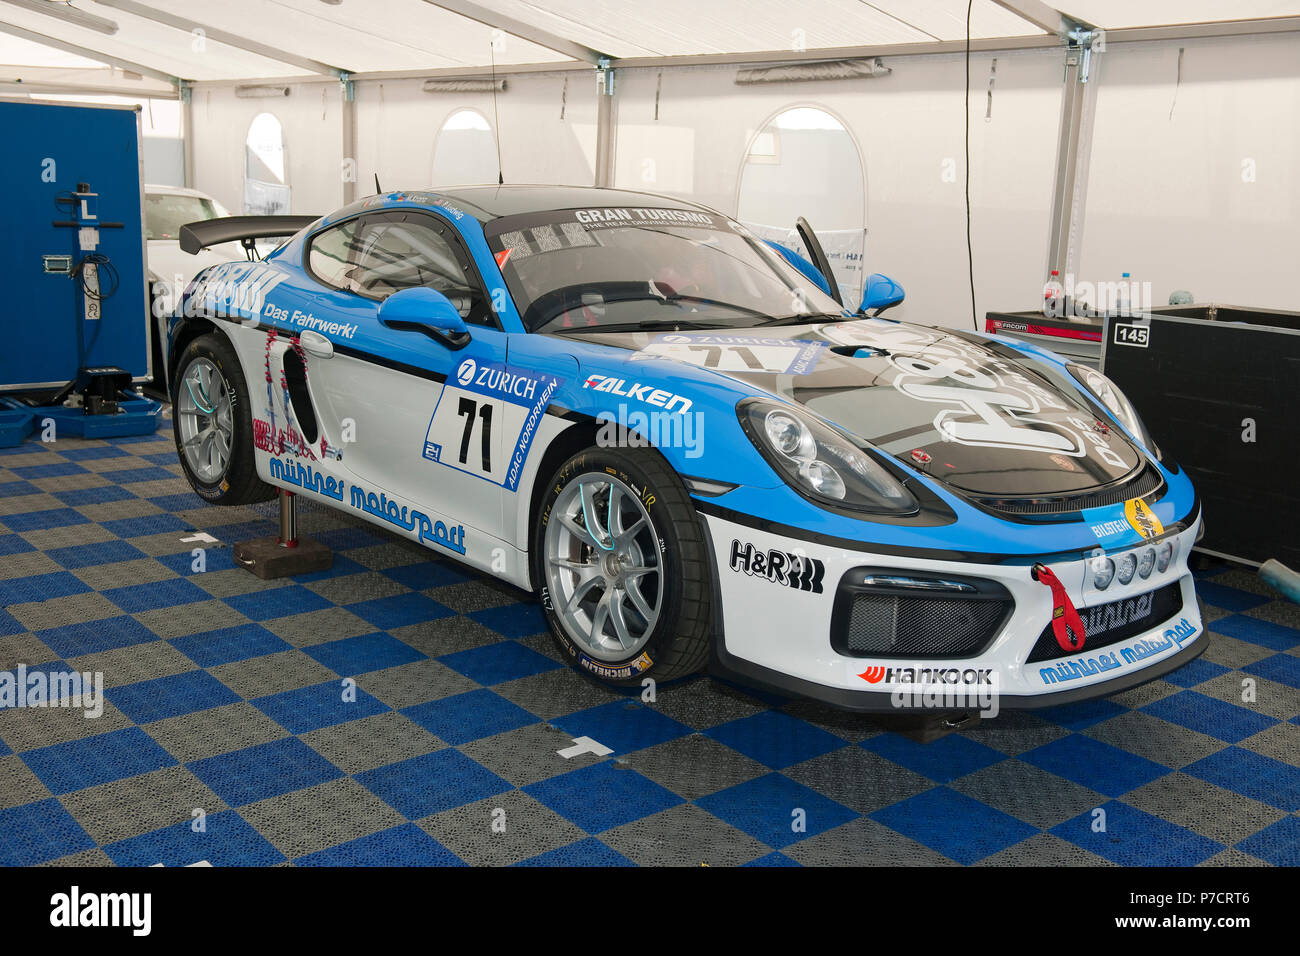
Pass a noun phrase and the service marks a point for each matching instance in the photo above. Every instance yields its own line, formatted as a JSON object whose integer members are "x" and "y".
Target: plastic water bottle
{"x": 1122, "y": 296}
{"x": 1052, "y": 292}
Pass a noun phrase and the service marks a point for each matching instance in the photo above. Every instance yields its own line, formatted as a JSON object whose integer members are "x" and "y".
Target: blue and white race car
{"x": 679, "y": 439}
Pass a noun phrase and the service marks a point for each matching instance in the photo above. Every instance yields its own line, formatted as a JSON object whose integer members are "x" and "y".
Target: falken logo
{"x": 779, "y": 567}
{"x": 642, "y": 393}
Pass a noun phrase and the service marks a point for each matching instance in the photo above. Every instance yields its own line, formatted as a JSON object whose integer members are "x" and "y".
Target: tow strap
{"x": 1066, "y": 623}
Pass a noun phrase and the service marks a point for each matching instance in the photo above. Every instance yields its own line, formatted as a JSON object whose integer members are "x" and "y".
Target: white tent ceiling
{"x": 257, "y": 39}
{"x": 1117, "y": 14}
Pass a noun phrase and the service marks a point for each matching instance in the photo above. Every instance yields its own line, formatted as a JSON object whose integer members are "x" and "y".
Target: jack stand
{"x": 285, "y": 554}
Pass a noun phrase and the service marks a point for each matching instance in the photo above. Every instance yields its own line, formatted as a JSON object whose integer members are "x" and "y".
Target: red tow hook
{"x": 1066, "y": 623}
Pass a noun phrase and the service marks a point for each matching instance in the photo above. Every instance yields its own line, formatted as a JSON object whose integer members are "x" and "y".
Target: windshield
{"x": 165, "y": 213}
{"x": 626, "y": 268}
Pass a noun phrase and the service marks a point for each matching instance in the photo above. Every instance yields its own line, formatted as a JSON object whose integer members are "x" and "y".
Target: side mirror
{"x": 427, "y": 311}
{"x": 879, "y": 293}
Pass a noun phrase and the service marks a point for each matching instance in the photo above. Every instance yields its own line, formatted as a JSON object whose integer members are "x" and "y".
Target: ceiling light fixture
{"x": 260, "y": 92}
{"x": 464, "y": 86}
{"x": 827, "y": 70}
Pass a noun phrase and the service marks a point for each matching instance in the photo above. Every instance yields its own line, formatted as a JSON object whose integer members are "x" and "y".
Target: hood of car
{"x": 952, "y": 408}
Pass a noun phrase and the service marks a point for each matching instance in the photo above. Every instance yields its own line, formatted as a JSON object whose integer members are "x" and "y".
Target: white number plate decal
{"x": 486, "y": 419}
{"x": 738, "y": 353}
{"x": 1129, "y": 333}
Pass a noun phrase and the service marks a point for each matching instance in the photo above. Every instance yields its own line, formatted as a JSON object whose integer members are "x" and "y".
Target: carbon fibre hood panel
{"x": 959, "y": 411}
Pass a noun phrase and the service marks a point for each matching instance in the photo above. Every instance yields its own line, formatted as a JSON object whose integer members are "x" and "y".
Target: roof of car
{"x": 489, "y": 202}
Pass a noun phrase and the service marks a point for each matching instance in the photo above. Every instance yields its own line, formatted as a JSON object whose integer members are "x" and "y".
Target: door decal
{"x": 486, "y": 419}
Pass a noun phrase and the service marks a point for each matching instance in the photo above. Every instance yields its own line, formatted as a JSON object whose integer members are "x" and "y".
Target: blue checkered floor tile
{"x": 398, "y": 709}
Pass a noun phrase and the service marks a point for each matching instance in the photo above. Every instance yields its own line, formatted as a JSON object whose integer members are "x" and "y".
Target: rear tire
{"x": 212, "y": 422}
{"x": 621, "y": 567}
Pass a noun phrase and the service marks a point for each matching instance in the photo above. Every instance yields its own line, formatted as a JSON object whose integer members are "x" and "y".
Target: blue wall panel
{"x": 49, "y": 149}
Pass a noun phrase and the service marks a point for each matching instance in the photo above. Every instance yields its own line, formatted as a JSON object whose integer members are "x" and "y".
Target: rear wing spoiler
{"x": 244, "y": 229}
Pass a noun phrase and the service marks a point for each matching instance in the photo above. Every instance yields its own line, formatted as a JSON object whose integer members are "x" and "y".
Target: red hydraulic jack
{"x": 285, "y": 554}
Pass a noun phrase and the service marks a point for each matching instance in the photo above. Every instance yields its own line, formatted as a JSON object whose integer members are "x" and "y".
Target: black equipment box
{"x": 1216, "y": 386}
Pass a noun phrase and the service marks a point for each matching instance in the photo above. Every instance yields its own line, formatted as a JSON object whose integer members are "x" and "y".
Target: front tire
{"x": 212, "y": 422}
{"x": 621, "y": 568}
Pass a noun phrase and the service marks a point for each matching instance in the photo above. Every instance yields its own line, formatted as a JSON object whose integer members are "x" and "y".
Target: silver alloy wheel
{"x": 207, "y": 424}
{"x": 602, "y": 567}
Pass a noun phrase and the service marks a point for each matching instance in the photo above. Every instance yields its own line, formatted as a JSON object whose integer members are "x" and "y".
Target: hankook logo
{"x": 928, "y": 675}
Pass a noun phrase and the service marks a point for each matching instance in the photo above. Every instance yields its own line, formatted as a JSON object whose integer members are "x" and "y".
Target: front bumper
{"x": 775, "y": 630}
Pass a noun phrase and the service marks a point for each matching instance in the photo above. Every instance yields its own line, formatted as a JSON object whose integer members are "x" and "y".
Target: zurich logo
{"x": 677, "y": 339}
{"x": 465, "y": 374}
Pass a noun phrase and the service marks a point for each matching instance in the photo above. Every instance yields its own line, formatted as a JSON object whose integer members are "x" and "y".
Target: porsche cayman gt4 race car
{"x": 677, "y": 436}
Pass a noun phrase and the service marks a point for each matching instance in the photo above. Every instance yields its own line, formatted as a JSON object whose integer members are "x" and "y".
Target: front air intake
{"x": 1145, "y": 484}
{"x": 883, "y": 613}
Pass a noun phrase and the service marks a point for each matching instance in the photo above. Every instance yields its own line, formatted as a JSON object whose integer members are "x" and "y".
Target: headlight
{"x": 1127, "y": 565}
{"x": 1103, "y": 570}
{"x": 821, "y": 463}
{"x": 1114, "y": 401}
{"x": 1165, "y": 555}
{"x": 1146, "y": 562}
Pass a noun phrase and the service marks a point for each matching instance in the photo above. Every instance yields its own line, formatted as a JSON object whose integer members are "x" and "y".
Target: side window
{"x": 375, "y": 256}
{"x": 333, "y": 254}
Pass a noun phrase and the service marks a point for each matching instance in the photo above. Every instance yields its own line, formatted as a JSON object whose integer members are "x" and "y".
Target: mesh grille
{"x": 1107, "y": 624}
{"x": 1144, "y": 484}
{"x": 887, "y": 624}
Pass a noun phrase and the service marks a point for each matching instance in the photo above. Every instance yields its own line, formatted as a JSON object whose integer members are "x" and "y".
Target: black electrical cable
{"x": 104, "y": 269}
{"x": 970, "y": 253}
{"x": 105, "y": 272}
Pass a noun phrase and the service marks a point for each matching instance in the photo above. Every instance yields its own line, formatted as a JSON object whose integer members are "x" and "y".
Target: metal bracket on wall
{"x": 604, "y": 77}
{"x": 1088, "y": 40}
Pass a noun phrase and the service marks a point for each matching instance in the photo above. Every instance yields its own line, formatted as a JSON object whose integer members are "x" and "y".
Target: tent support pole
{"x": 1073, "y": 149}
{"x": 348, "y": 167}
{"x": 186, "y": 94}
{"x": 605, "y": 124}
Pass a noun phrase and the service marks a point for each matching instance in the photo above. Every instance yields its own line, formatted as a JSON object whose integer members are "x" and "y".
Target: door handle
{"x": 313, "y": 343}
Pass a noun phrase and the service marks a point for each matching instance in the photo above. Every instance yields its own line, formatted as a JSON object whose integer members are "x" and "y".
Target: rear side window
{"x": 332, "y": 255}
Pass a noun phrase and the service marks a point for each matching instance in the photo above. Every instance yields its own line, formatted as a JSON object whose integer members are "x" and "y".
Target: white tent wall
{"x": 909, "y": 127}
{"x": 1204, "y": 200}
{"x": 398, "y": 125}
{"x": 160, "y": 127}
{"x": 1199, "y": 192}
{"x": 311, "y": 116}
